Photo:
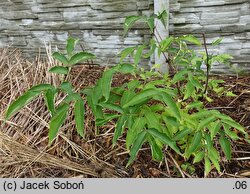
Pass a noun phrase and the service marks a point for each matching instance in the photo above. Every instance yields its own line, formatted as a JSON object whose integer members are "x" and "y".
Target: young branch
{"x": 168, "y": 61}
{"x": 206, "y": 62}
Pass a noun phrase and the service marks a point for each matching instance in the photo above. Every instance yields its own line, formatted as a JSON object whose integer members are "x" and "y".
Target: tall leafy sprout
{"x": 58, "y": 113}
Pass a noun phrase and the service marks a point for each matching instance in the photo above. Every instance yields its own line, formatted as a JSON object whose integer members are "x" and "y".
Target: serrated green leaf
{"x": 205, "y": 122}
{"x": 214, "y": 129}
{"x": 142, "y": 96}
{"x": 201, "y": 114}
{"x": 234, "y": 124}
{"x": 151, "y": 24}
{"x": 125, "y": 68}
{"x": 136, "y": 146}
{"x": 209, "y": 143}
{"x": 230, "y": 94}
{"x": 164, "y": 139}
{"x": 66, "y": 87}
{"x": 189, "y": 90}
{"x": 217, "y": 41}
{"x": 159, "y": 51}
{"x": 156, "y": 151}
{"x": 111, "y": 106}
{"x": 49, "y": 97}
{"x": 106, "y": 81}
{"x": 198, "y": 157}
{"x": 126, "y": 52}
{"x": 179, "y": 76}
{"x": 132, "y": 132}
{"x": 60, "y": 57}
{"x": 152, "y": 50}
{"x": 108, "y": 117}
{"x": 79, "y": 111}
{"x": 232, "y": 134}
{"x": 152, "y": 120}
{"x": 97, "y": 92}
{"x": 132, "y": 85}
{"x": 226, "y": 147}
{"x": 130, "y": 21}
{"x": 119, "y": 128}
{"x": 165, "y": 44}
{"x": 91, "y": 103}
{"x": 214, "y": 157}
{"x": 126, "y": 97}
{"x": 72, "y": 98}
{"x": 195, "y": 143}
{"x": 194, "y": 82}
{"x": 71, "y": 42}
{"x": 156, "y": 108}
{"x": 57, "y": 121}
{"x": 191, "y": 39}
{"x": 21, "y": 102}
{"x": 208, "y": 166}
{"x": 196, "y": 105}
{"x": 80, "y": 57}
{"x": 138, "y": 54}
{"x": 59, "y": 70}
{"x": 181, "y": 134}
{"x": 163, "y": 17}
{"x": 171, "y": 104}
{"x": 209, "y": 99}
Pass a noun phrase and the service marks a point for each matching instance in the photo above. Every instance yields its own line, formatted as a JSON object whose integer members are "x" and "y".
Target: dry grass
{"x": 24, "y": 150}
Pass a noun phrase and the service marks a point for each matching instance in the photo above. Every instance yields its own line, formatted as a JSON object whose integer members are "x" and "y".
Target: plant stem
{"x": 168, "y": 61}
{"x": 206, "y": 62}
{"x": 83, "y": 49}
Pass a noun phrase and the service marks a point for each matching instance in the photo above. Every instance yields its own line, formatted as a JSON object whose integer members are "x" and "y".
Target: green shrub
{"x": 165, "y": 110}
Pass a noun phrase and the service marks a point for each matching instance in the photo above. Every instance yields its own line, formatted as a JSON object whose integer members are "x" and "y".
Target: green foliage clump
{"x": 167, "y": 110}
{"x": 164, "y": 110}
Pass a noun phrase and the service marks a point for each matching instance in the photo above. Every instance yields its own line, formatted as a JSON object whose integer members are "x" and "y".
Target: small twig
{"x": 244, "y": 158}
{"x": 177, "y": 165}
{"x": 235, "y": 99}
{"x": 206, "y": 63}
{"x": 83, "y": 49}
{"x": 216, "y": 108}
{"x": 166, "y": 162}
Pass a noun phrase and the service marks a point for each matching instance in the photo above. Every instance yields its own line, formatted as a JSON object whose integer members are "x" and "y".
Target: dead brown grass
{"x": 24, "y": 150}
